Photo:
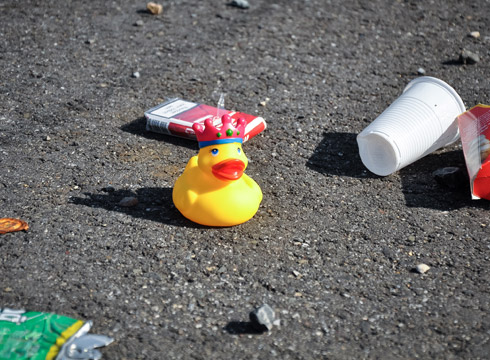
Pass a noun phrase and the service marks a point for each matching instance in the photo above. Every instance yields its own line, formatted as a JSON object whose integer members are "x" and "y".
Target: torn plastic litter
{"x": 38, "y": 335}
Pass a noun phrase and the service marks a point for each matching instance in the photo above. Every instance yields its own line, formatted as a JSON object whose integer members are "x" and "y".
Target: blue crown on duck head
{"x": 227, "y": 133}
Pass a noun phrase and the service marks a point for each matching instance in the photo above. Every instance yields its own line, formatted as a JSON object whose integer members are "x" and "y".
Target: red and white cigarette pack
{"x": 176, "y": 116}
{"x": 474, "y": 127}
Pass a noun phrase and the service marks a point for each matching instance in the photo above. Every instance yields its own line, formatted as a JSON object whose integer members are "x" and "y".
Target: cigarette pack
{"x": 474, "y": 127}
{"x": 176, "y": 116}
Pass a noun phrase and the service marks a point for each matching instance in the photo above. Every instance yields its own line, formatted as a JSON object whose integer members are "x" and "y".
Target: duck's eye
{"x": 214, "y": 152}
{"x": 239, "y": 150}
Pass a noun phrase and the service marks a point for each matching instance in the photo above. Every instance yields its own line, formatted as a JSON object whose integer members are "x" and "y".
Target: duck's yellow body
{"x": 214, "y": 191}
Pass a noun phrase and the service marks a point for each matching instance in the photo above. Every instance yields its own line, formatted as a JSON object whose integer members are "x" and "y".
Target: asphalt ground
{"x": 332, "y": 248}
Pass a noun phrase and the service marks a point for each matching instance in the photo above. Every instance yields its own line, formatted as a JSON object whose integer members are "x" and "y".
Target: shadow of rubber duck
{"x": 153, "y": 204}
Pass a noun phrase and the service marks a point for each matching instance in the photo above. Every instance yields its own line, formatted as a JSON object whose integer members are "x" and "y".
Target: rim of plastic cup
{"x": 392, "y": 152}
{"x": 445, "y": 85}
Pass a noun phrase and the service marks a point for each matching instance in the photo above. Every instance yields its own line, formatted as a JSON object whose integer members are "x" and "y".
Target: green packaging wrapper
{"x": 42, "y": 336}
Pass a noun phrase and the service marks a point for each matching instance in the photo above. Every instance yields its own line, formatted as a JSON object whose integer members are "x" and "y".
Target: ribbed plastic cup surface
{"x": 420, "y": 121}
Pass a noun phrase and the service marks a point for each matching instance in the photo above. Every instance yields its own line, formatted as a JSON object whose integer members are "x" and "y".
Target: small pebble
{"x": 421, "y": 71}
{"x": 136, "y": 75}
{"x": 263, "y": 318}
{"x": 388, "y": 253}
{"x": 90, "y": 41}
{"x": 450, "y": 177}
{"x": 475, "y": 34}
{"x": 241, "y": 4}
{"x": 128, "y": 201}
{"x": 422, "y": 268}
{"x": 36, "y": 74}
{"x": 154, "y": 8}
{"x": 139, "y": 23}
{"x": 264, "y": 103}
{"x": 109, "y": 189}
{"x": 468, "y": 57}
{"x": 47, "y": 138}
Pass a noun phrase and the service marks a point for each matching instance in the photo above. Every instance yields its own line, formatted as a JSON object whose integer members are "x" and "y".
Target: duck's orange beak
{"x": 231, "y": 169}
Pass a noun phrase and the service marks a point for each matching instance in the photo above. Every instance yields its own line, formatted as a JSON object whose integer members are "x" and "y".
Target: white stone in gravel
{"x": 154, "y": 8}
{"x": 475, "y": 34}
{"x": 242, "y": 4}
{"x": 421, "y": 71}
{"x": 422, "y": 268}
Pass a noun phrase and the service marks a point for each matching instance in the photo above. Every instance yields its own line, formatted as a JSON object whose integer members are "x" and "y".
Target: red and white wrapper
{"x": 176, "y": 117}
{"x": 474, "y": 127}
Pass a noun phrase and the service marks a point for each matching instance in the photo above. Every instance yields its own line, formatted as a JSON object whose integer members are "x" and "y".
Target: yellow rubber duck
{"x": 213, "y": 190}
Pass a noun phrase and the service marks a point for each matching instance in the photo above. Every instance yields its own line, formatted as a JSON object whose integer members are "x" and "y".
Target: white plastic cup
{"x": 422, "y": 120}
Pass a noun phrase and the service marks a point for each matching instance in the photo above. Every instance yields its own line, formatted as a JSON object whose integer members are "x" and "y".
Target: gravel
{"x": 469, "y": 57}
{"x": 128, "y": 201}
{"x": 422, "y": 268}
{"x": 263, "y": 318}
{"x": 241, "y": 4}
{"x": 452, "y": 177}
{"x": 475, "y": 34}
